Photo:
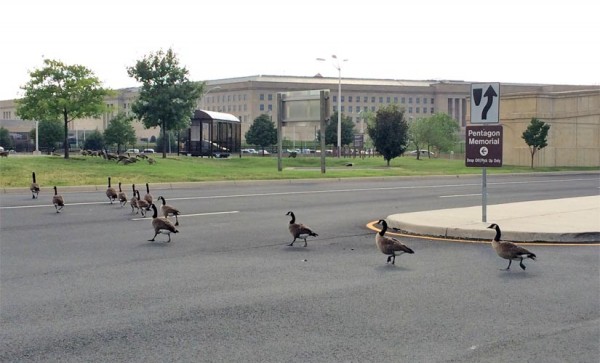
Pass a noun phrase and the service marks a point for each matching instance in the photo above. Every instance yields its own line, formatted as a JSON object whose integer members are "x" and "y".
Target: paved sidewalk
{"x": 567, "y": 220}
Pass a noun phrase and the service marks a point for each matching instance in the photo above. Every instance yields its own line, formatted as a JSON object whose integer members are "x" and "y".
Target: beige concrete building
{"x": 573, "y": 111}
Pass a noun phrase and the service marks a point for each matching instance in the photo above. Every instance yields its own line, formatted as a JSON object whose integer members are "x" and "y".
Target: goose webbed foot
{"x": 521, "y": 264}
{"x": 389, "y": 259}
{"x": 305, "y": 244}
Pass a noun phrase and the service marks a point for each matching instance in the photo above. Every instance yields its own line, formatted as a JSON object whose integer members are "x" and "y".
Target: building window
{"x": 418, "y": 100}
{"x": 395, "y": 99}
{"x": 410, "y": 109}
{"x": 270, "y": 97}
{"x": 342, "y": 109}
{"x": 270, "y": 107}
{"x": 389, "y": 99}
{"x": 403, "y": 100}
{"x": 342, "y": 98}
{"x": 349, "y": 98}
{"x": 261, "y": 107}
{"x": 424, "y": 100}
{"x": 373, "y": 99}
{"x": 262, "y": 97}
{"x": 366, "y": 99}
{"x": 350, "y": 109}
{"x": 373, "y": 108}
{"x": 410, "y": 100}
{"x": 417, "y": 109}
{"x": 432, "y": 110}
{"x": 380, "y": 99}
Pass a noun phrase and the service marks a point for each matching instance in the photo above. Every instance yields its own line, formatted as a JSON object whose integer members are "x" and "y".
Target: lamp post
{"x": 338, "y": 66}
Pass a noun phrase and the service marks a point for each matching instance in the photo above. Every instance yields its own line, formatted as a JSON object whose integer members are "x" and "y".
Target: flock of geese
{"x": 389, "y": 246}
{"x": 138, "y": 205}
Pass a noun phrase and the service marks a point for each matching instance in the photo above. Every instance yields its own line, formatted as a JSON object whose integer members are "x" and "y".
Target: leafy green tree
{"x": 262, "y": 132}
{"x": 347, "y": 127}
{"x": 419, "y": 134}
{"x": 389, "y": 132}
{"x": 167, "y": 97}
{"x": 94, "y": 141}
{"x": 536, "y": 136}
{"x": 444, "y": 132}
{"x": 120, "y": 131}
{"x": 51, "y": 132}
{"x": 62, "y": 92}
{"x": 5, "y": 139}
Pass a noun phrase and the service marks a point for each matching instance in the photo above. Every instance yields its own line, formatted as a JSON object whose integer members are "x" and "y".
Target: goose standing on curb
{"x": 35, "y": 187}
{"x": 509, "y": 250}
{"x": 148, "y": 197}
{"x": 58, "y": 201}
{"x": 389, "y": 245}
{"x": 111, "y": 193}
{"x": 122, "y": 196}
{"x": 167, "y": 210}
{"x": 299, "y": 230}
{"x": 161, "y": 225}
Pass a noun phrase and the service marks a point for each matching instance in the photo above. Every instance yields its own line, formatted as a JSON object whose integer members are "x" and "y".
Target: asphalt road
{"x": 86, "y": 285}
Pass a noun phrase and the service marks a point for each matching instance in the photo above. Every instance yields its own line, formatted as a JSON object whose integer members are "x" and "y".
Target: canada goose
{"x": 389, "y": 245}
{"x": 58, "y": 201}
{"x": 35, "y": 187}
{"x": 148, "y": 197}
{"x": 133, "y": 201}
{"x": 161, "y": 225}
{"x": 142, "y": 204}
{"x": 169, "y": 210}
{"x": 509, "y": 250}
{"x": 122, "y": 196}
{"x": 111, "y": 193}
{"x": 299, "y": 230}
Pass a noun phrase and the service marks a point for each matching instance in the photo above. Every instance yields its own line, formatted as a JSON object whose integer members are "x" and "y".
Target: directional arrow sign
{"x": 485, "y": 103}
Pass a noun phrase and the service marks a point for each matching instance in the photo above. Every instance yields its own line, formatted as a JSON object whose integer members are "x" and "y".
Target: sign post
{"x": 484, "y": 142}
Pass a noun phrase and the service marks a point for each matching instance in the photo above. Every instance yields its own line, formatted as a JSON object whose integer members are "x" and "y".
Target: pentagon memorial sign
{"x": 484, "y": 146}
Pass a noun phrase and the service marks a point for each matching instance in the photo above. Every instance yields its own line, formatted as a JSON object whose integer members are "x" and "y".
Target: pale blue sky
{"x": 502, "y": 41}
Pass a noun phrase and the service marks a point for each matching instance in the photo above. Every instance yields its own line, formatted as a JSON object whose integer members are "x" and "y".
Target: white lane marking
{"x": 460, "y": 195}
{"x": 327, "y": 191}
{"x": 190, "y": 215}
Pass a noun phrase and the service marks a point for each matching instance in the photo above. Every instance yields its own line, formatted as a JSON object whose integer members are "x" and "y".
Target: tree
{"x": 5, "y": 139}
{"x": 94, "y": 141}
{"x": 51, "y": 132}
{"x": 120, "y": 131}
{"x": 167, "y": 97}
{"x": 62, "y": 92}
{"x": 536, "y": 136}
{"x": 262, "y": 132}
{"x": 389, "y": 132}
{"x": 444, "y": 132}
{"x": 418, "y": 134}
{"x": 347, "y": 127}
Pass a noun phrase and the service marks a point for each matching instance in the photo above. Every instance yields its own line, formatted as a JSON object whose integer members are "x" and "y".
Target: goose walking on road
{"x": 389, "y": 245}
{"x": 35, "y": 187}
{"x": 111, "y": 192}
{"x": 58, "y": 201}
{"x": 161, "y": 225}
{"x": 299, "y": 230}
{"x": 122, "y": 196}
{"x": 168, "y": 210}
{"x": 509, "y": 250}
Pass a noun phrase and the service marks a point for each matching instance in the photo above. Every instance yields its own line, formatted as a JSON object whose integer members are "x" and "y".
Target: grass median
{"x": 16, "y": 171}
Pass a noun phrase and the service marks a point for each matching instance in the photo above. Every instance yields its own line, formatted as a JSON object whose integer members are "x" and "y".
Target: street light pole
{"x": 338, "y": 66}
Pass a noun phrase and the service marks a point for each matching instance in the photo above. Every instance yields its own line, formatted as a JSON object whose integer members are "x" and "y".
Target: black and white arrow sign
{"x": 485, "y": 103}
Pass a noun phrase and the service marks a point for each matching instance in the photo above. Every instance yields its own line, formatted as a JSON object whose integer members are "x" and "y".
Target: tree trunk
{"x": 532, "y": 155}
{"x": 164, "y": 134}
{"x": 66, "y": 142}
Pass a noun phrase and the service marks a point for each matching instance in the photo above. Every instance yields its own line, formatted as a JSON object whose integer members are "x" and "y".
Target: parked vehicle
{"x": 133, "y": 151}
{"x": 422, "y": 152}
{"x": 249, "y": 151}
{"x": 148, "y": 151}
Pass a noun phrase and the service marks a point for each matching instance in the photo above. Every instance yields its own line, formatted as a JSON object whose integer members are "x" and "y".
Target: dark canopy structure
{"x": 213, "y": 134}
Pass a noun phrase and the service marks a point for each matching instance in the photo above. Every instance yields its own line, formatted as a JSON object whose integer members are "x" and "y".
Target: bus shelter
{"x": 213, "y": 134}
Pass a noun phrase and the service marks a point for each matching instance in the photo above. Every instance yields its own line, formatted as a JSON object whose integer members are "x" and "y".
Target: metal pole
{"x": 484, "y": 194}
{"x": 339, "y": 109}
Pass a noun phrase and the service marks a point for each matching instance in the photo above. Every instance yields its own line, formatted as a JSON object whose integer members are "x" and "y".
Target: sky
{"x": 509, "y": 41}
